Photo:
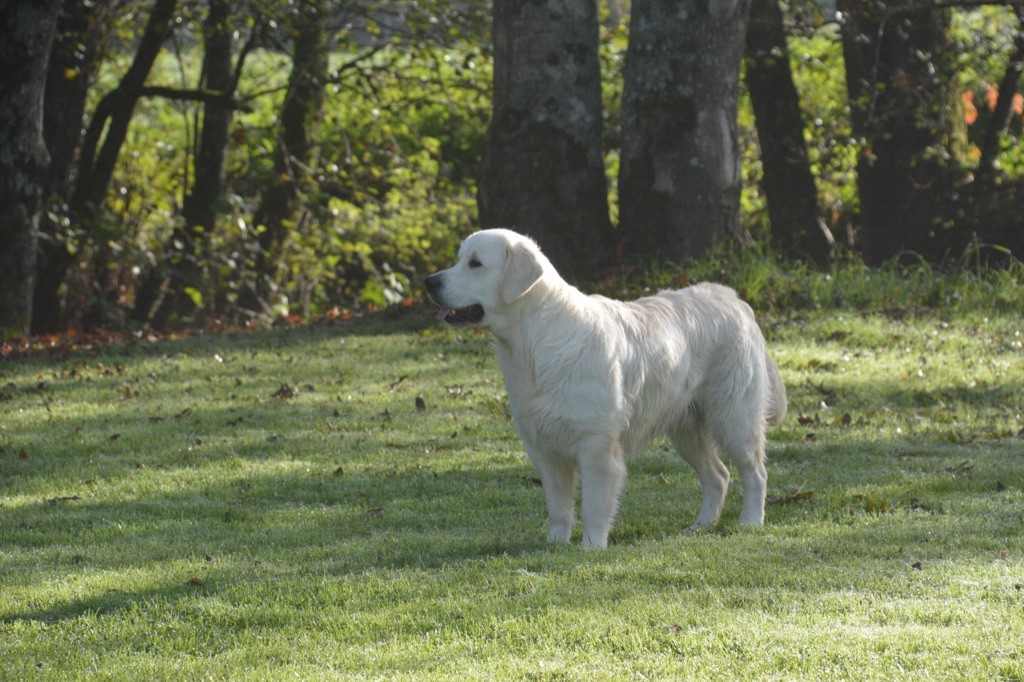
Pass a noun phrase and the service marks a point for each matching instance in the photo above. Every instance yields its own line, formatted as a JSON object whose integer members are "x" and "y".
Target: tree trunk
{"x": 543, "y": 170}
{"x": 113, "y": 114}
{"x": 163, "y": 296}
{"x": 298, "y": 141}
{"x": 200, "y": 208}
{"x": 80, "y": 28}
{"x": 900, "y": 69}
{"x": 97, "y": 161}
{"x": 27, "y": 28}
{"x": 788, "y": 184}
{"x": 679, "y": 179}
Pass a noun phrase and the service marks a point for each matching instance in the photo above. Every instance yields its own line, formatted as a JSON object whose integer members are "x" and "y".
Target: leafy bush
{"x": 394, "y": 189}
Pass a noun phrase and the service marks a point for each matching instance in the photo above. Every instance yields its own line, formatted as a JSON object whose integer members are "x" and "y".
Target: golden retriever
{"x": 591, "y": 381}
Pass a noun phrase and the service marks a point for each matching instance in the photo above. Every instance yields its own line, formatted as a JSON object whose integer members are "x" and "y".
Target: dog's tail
{"x": 777, "y": 405}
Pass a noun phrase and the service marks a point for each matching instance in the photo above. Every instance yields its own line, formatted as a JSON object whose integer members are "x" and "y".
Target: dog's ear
{"x": 522, "y": 270}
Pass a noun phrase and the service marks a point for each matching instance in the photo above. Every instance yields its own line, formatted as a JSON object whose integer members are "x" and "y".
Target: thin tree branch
{"x": 189, "y": 95}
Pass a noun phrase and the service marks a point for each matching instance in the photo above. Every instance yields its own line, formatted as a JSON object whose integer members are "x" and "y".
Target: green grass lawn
{"x": 352, "y": 501}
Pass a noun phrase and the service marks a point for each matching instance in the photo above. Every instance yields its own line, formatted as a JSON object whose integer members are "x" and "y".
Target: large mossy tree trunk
{"x": 543, "y": 169}
{"x": 27, "y": 27}
{"x": 904, "y": 106}
{"x": 679, "y": 179}
{"x": 787, "y": 182}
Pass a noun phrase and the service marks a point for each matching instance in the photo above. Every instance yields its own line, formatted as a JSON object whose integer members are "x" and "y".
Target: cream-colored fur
{"x": 591, "y": 381}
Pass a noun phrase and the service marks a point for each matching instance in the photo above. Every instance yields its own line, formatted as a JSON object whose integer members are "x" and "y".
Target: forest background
{"x": 174, "y": 163}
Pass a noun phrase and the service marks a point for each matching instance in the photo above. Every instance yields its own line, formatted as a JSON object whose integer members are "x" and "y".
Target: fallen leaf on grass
{"x": 195, "y": 582}
{"x": 963, "y": 466}
{"x": 65, "y": 498}
{"x": 421, "y": 405}
{"x": 284, "y": 393}
{"x": 828, "y": 395}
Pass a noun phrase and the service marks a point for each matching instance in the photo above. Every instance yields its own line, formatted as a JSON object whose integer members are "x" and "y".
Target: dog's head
{"x": 495, "y": 269}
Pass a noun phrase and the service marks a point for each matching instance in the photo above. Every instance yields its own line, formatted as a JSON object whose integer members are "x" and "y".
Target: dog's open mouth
{"x": 470, "y": 315}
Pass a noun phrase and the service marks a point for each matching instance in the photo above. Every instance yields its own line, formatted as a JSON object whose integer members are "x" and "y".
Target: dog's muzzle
{"x": 468, "y": 315}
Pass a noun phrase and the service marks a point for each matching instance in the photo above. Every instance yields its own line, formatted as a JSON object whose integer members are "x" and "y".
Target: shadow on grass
{"x": 272, "y": 526}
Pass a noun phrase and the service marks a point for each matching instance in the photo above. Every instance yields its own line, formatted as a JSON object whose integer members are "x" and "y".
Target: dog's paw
{"x": 559, "y": 535}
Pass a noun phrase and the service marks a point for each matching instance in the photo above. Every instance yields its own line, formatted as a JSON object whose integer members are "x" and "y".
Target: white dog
{"x": 591, "y": 381}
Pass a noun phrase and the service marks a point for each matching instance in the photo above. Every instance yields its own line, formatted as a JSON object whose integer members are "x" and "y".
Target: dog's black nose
{"x": 433, "y": 283}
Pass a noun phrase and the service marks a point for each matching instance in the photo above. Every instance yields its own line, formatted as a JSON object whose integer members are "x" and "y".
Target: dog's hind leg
{"x": 558, "y": 477}
{"x": 604, "y": 473}
{"x": 754, "y": 478}
{"x": 742, "y": 441}
{"x": 694, "y": 444}
{"x": 735, "y": 416}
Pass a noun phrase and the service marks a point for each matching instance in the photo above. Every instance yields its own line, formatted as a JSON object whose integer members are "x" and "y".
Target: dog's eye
{"x": 474, "y": 262}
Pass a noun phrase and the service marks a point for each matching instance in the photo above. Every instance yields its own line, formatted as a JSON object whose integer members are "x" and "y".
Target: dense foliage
{"x": 400, "y": 141}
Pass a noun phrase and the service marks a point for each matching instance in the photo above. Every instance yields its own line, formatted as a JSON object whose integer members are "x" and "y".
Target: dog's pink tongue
{"x": 443, "y": 312}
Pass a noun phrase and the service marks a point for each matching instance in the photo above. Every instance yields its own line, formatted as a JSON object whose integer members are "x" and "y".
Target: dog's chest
{"x": 557, "y": 400}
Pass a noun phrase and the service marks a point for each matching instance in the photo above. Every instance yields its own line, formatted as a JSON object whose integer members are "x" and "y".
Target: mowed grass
{"x": 351, "y": 501}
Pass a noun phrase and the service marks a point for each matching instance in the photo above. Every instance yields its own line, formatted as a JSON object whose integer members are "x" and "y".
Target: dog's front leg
{"x": 559, "y": 480}
{"x": 604, "y": 474}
